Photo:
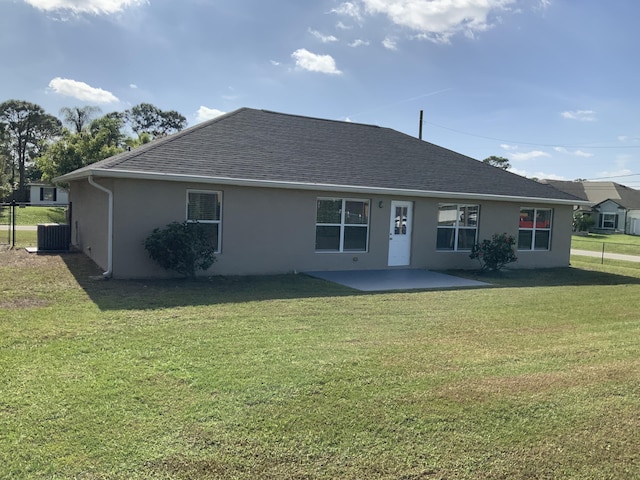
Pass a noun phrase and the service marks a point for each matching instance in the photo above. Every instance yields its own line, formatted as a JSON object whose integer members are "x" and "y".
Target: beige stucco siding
{"x": 89, "y": 210}
{"x": 268, "y": 230}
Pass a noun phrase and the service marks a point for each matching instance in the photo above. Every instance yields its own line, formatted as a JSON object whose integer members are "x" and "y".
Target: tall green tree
{"x": 499, "y": 162}
{"x": 79, "y": 117}
{"x": 26, "y": 130}
{"x": 103, "y": 138}
{"x": 147, "y": 118}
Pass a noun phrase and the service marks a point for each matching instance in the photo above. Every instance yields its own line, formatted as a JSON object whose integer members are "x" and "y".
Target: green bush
{"x": 181, "y": 247}
{"x": 582, "y": 222}
{"x": 495, "y": 253}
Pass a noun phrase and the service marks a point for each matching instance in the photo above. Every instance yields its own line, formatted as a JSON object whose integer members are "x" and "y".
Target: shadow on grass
{"x": 158, "y": 294}
{"x": 554, "y": 277}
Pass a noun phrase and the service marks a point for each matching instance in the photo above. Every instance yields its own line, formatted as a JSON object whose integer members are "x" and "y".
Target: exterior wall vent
{"x": 54, "y": 237}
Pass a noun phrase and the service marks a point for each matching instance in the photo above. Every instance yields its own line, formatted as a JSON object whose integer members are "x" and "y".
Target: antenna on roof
{"x": 420, "y": 129}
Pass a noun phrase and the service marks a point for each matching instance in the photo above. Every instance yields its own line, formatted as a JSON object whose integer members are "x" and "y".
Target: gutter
{"x": 109, "y": 271}
{"x": 116, "y": 173}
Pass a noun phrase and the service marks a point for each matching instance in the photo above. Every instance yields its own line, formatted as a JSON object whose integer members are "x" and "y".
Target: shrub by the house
{"x": 183, "y": 248}
{"x": 495, "y": 253}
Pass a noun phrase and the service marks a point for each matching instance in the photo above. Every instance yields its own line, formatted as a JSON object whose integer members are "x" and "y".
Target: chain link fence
{"x": 25, "y": 225}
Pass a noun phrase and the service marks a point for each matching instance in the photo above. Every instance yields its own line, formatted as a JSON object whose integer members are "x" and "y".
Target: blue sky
{"x": 550, "y": 84}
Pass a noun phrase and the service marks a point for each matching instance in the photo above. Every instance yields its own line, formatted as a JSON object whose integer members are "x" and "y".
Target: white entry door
{"x": 400, "y": 233}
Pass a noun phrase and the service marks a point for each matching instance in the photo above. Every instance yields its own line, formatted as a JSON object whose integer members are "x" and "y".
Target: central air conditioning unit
{"x": 54, "y": 237}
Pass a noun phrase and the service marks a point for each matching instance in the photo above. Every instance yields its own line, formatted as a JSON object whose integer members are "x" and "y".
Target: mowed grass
{"x": 292, "y": 377}
{"x": 33, "y": 215}
{"x": 614, "y": 243}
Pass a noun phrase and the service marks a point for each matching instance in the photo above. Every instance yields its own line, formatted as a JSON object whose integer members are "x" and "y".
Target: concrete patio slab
{"x": 401, "y": 279}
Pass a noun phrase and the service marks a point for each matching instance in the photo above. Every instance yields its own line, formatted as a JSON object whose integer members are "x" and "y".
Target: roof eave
{"x": 114, "y": 173}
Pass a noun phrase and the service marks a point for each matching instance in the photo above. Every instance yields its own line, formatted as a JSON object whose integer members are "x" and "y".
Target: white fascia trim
{"x": 112, "y": 173}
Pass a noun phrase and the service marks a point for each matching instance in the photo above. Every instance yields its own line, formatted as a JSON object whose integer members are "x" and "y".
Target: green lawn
{"x": 292, "y": 377}
{"x": 614, "y": 243}
{"x": 34, "y": 215}
{"x": 24, "y": 238}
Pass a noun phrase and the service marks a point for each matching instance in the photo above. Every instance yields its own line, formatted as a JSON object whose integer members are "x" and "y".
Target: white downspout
{"x": 109, "y": 271}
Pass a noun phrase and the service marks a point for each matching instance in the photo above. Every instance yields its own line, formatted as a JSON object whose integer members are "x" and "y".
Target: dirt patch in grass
{"x": 22, "y": 259}
{"x": 537, "y": 383}
{"x": 17, "y": 303}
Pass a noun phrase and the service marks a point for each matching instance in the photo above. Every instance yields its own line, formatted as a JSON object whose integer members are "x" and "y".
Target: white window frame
{"x": 457, "y": 227}
{"x": 611, "y": 216}
{"x": 535, "y": 229}
{"x": 218, "y": 221}
{"x": 343, "y": 224}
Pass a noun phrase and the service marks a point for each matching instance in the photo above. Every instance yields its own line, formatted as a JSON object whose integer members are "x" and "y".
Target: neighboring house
{"x": 44, "y": 194}
{"x": 285, "y": 193}
{"x": 614, "y": 207}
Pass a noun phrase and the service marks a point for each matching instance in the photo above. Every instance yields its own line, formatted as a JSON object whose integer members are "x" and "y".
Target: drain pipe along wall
{"x": 109, "y": 271}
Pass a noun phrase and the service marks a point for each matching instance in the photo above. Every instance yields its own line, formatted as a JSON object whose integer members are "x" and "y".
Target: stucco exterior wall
{"x": 89, "y": 220}
{"x": 268, "y": 230}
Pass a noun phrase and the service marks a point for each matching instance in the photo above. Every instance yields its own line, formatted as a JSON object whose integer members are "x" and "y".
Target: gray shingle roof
{"x": 598, "y": 192}
{"x": 260, "y": 145}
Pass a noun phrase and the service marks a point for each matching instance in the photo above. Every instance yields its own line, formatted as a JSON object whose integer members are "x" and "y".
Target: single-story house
{"x": 286, "y": 193}
{"x": 45, "y": 194}
{"x": 614, "y": 207}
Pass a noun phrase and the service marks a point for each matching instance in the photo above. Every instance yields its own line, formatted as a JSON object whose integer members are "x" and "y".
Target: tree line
{"x": 37, "y": 147}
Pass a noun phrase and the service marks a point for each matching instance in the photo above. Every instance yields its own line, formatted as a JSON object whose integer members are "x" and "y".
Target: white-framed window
{"x": 204, "y": 208}
{"x": 609, "y": 220}
{"x": 535, "y": 228}
{"x": 342, "y": 225}
{"x": 457, "y": 226}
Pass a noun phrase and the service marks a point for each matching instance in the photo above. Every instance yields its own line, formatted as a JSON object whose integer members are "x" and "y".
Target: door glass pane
{"x": 355, "y": 238}
{"x": 327, "y": 238}
{"x": 356, "y": 212}
{"x": 400, "y": 227}
{"x": 329, "y": 211}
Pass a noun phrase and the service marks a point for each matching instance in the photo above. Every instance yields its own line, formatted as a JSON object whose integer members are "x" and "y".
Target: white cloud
{"x": 313, "y": 62}
{"x": 539, "y": 174}
{"x": 342, "y": 26}
{"x": 81, "y": 91}
{"x": 523, "y": 156}
{"x": 439, "y": 20}
{"x": 133, "y": 86}
{"x": 580, "y": 115}
{"x": 349, "y": 9}
{"x": 390, "y": 43}
{"x": 206, "y": 113}
{"x": 575, "y": 153}
{"x": 323, "y": 38}
{"x": 95, "y": 7}
{"x": 359, "y": 43}
{"x": 507, "y": 147}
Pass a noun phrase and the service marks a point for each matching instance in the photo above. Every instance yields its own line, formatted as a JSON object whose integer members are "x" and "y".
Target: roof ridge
{"x": 308, "y": 117}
